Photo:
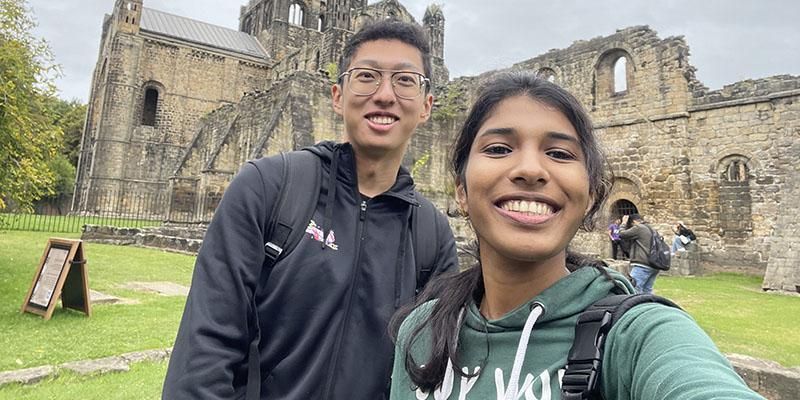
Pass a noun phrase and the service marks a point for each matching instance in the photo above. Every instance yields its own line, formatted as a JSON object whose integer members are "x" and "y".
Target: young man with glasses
{"x": 324, "y": 308}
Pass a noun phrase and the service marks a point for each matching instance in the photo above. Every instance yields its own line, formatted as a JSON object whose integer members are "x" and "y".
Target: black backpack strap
{"x": 424, "y": 239}
{"x": 581, "y": 380}
{"x": 295, "y": 206}
{"x": 285, "y": 226}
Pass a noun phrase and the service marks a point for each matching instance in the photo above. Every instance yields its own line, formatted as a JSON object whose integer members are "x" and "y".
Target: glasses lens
{"x": 407, "y": 84}
{"x": 364, "y": 81}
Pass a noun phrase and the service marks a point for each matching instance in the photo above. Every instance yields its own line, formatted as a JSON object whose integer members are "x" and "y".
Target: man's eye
{"x": 365, "y": 76}
{"x": 405, "y": 79}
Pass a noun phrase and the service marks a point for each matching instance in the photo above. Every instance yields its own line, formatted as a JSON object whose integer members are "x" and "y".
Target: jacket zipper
{"x": 362, "y": 216}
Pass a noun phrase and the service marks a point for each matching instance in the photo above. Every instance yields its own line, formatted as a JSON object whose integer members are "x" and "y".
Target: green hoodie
{"x": 653, "y": 352}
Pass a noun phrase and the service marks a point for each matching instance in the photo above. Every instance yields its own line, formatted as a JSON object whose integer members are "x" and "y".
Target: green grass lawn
{"x": 29, "y": 341}
{"x": 731, "y": 308}
{"x": 739, "y": 316}
{"x": 142, "y": 382}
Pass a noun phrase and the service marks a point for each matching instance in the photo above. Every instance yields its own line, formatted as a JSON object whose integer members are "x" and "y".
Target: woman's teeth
{"x": 527, "y": 207}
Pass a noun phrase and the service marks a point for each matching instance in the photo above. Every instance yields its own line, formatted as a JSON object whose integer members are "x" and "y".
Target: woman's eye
{"x": 496, "y": 150}
{"x": 561, "y": 155}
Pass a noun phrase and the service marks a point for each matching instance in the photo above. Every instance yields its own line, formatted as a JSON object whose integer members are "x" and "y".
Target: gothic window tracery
{"x": 296, "y": 14}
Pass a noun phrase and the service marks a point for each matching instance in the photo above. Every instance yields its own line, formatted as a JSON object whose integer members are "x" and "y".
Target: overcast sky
{"x": 730, "y": 40}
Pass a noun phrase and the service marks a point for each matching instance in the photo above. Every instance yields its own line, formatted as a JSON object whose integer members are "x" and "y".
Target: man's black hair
{"x": 389, "y": 29}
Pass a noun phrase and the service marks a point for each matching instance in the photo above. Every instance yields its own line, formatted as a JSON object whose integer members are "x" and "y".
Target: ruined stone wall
{"x": 128, "y": 156}
{"x": 740, "y": 168}
{"x": 294, "y": 113}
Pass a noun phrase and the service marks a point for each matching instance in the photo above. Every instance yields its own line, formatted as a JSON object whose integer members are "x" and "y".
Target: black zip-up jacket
{"x": 323, "y": 310}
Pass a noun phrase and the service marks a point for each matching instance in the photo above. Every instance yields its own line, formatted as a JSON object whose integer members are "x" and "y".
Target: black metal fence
{"x": 99, "y": 207}
{"x": 122, "y": 208}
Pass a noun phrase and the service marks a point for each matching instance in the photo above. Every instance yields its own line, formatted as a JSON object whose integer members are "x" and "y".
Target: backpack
{"x": 288, "y": 219}
{"x": 658, "y": 256}
{"x": 582, "y": 377}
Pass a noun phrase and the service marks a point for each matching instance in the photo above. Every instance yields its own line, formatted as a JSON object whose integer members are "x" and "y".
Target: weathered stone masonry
{"x": 725, "y": 162}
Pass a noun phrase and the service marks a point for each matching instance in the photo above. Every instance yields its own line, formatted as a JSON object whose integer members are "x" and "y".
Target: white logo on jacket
{"x": 316, "y": 234}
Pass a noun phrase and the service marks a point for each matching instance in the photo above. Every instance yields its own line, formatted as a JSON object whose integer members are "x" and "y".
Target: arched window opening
{"x": 296, "y": 14}
{"x": 320, "y": 23}
{"x": 623, "y": 207}
{"x": 548, "y": 74}
{"x": 150, "y": 107}
{"x": 621, "y": 75}
{"x": 736, "y": 171}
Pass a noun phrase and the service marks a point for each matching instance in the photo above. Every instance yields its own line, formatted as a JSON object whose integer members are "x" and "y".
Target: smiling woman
{"x": 529, "y": 174}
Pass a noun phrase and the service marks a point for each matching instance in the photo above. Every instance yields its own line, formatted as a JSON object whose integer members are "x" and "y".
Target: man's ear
{"x": 336, "y": 96}
{"x": 427, "y": 107}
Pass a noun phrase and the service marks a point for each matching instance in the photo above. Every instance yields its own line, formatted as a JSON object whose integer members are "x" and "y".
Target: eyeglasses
{"x": 366, "y": 81}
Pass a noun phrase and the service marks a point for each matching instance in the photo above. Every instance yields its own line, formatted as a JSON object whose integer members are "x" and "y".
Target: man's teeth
{"x": 527, "y": 207}
{"x": 380, "y": 119}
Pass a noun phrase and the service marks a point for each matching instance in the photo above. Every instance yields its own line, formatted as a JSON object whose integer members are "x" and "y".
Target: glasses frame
{"x": 423, "y": 85}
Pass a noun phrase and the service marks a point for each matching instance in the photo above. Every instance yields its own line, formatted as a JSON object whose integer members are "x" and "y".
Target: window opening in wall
{"x": 133, "y": 21}
{"x": 320, "y": 23}
{"x": 128, "y": 6}
{"x": 150, "y": 107}
{"x": 621, "y": 75}
{"x": 127, "y": 20}
{"x": 296, "y": 14}
{"x": 623, "y": 207}
{"x": 736, "y": 172}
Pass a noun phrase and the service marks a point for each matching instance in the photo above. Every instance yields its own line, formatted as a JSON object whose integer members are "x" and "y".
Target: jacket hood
{"x": 568, "y": 297}
{"x": 342, "y": 157}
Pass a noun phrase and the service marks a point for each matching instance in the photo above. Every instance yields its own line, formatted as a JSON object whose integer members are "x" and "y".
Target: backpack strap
{"x": 295, "y": 206}
{"x": 297, "y": 199}
{"x": 424, "y": 240}
{"x": 581, "y": 379}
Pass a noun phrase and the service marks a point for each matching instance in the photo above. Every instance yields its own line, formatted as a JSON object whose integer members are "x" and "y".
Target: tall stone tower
{"x": 290, "y": 28}
{"x": 433, "y": 23}
{"x": 128, "y": 15}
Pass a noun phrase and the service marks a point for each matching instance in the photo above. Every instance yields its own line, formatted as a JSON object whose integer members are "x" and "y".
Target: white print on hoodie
{"x": 510, "y": 391}
{"x": 525, "y": 392}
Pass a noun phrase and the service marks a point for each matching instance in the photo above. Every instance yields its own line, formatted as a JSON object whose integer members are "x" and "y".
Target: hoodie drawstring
{"x": 513, "y": 384}
{"x": 326, "y": 222}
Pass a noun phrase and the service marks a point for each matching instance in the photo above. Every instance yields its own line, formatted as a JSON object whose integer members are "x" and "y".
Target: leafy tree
{"x": 28, "y": 138}
{"x": 70, "y": 117}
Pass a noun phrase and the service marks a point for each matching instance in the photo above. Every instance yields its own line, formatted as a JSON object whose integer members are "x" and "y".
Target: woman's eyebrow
{"x": 563, "y": 136}
{"x": 497, "y": 131}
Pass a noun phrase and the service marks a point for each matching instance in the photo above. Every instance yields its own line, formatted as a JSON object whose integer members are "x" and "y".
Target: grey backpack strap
{"x": 424, "y": 239}
{"x": 288, "y": 219}
{"x": 581, "y": 380}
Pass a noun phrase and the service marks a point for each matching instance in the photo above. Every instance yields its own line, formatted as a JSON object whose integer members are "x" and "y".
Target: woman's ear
{"x": 461, "y": 198}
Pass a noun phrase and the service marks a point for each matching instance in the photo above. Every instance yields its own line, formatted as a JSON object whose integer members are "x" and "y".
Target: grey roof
{"x": 190, "y": 30}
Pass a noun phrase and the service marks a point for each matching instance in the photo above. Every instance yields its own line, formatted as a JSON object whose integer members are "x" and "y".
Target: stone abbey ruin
{"x": 177, "y": 105}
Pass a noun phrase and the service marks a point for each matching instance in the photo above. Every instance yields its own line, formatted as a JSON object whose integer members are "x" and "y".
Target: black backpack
{"x": 581, "y": 380}
{"x": 288, "y": 219}
{"x": 658, "y": 256}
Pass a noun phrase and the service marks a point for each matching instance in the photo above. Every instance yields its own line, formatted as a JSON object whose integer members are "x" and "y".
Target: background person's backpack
{"x": 298, "y": 194}
{"x": 582, "y": 377}
{"x": 658, "y": 256}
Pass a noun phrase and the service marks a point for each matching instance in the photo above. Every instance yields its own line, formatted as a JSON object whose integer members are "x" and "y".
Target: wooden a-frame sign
{"x": 61, "y": 273}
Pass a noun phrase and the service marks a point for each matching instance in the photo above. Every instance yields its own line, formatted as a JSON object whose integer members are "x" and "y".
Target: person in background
{"x": 683, "y": 236}
{"x": 613, "y": 234}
